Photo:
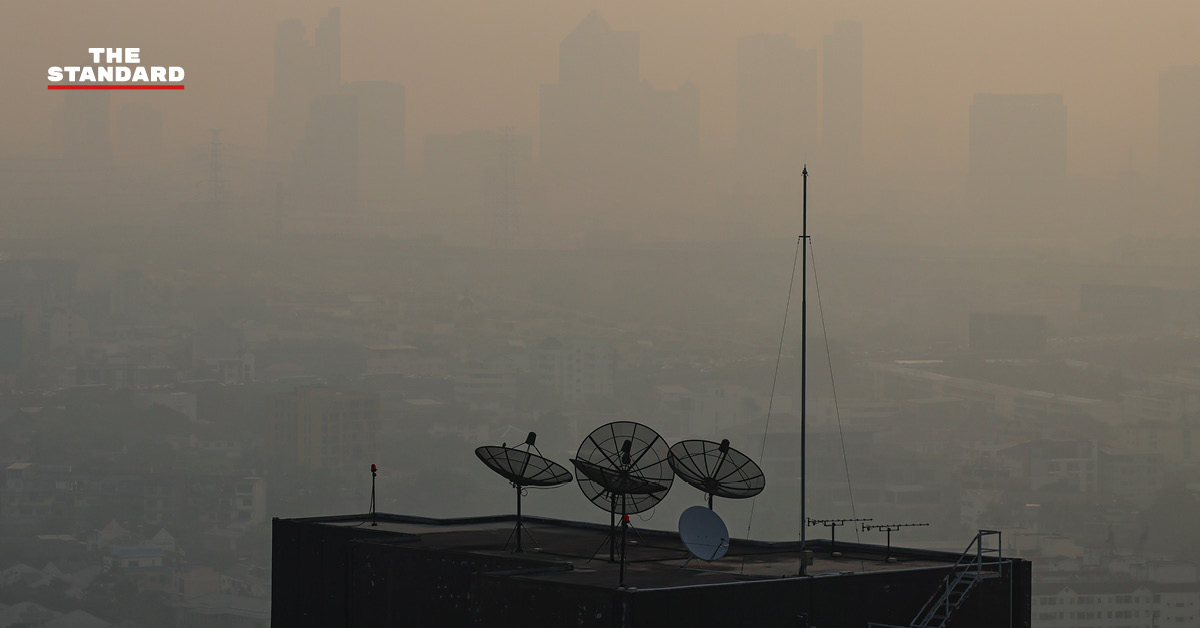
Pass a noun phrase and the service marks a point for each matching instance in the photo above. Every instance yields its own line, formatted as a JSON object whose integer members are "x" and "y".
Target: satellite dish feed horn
{"x": 704, "y": 534}
{"x": 523, "y": 468}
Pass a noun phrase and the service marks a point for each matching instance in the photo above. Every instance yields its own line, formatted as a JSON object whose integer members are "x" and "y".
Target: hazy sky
{"x": 478, "y": 63}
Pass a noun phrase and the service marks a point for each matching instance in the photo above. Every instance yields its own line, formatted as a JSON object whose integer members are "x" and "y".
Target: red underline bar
{"x": 114, "y": 87}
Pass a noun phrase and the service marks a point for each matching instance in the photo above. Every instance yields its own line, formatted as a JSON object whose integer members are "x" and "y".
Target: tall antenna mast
{"x": 804, "y": 380}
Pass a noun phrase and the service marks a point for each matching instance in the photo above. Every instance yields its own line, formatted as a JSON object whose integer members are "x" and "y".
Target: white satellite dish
{"x": 704, "y": 533}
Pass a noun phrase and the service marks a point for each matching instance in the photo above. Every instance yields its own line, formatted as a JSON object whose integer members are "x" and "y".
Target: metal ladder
{"x": 978, "y": 562}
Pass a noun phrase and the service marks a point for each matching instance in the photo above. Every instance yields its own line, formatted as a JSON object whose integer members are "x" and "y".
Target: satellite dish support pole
{"x": 612, "y": 530}
{"x": 520, "y": 526}
{"x": 624, "y": 532}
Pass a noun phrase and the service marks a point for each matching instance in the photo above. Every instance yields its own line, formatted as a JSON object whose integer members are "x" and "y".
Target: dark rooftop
{"x": 578, "y": 553}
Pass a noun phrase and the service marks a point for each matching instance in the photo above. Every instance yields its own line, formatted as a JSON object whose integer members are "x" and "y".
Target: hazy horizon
{"x": 480, "y": 65}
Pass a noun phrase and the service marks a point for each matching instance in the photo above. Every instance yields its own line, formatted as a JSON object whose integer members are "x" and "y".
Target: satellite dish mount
{"x": 523, "y": 468}
{"x": 622, "y": 467}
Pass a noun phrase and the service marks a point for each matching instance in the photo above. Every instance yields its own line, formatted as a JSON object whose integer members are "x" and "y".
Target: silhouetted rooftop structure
{"x": 342, "y": 570}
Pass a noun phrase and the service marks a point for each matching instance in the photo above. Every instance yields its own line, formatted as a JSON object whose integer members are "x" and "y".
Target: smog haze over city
{"x": 390, "y": 233}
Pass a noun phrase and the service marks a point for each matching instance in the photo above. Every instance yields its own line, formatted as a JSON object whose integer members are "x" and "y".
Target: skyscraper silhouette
{"x": 605, "y": 134}
{"x": 1179, "y": 134}
{"x": 327, "y": 161}
{"x": 380, "y": 107}
{"x": 303, "y": 71}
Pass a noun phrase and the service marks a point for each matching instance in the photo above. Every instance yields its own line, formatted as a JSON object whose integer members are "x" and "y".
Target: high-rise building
{"x": 380, "y": 107}
{"x": 468, "y": 171}
{"x": 776, "y": 109}
{"x": 303, "y": 71}
{"x": 481, "y": 183}
{"x": 1018, "y": 151}
{"x": 325, "y": 429}
{"x": 1179, "y": 134}
{"x": 1178, "y": 124}
{"x": 842, "y": 101}
{"x": 327, "y": 53}
{"x": 602, "y": 129}
{"x": 86, "y": 127}
{"x": 327, "y": 161}
{"x": 577, "y": 370}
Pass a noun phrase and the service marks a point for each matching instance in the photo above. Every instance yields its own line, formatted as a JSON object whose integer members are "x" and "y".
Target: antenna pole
{"x": 373, "y": 471}
{"x": 804, "y": 378}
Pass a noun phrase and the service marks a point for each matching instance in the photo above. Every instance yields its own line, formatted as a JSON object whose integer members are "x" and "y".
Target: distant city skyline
{"x": 909, "y": 78}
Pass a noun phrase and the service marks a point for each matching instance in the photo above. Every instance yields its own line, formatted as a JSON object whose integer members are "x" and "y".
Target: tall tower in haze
{"x": 776, "y": 110}
{"x": 381, "y": 140}
{"x": 582, "y": 116}
{"x": 327, "y": 161}
{"x": 842, "y": 101}
{"x": 303, "y": 72}
{"x": 1179, "y": 134}
{"x": 608, "y": 140}
{"x": 327, "y": 53}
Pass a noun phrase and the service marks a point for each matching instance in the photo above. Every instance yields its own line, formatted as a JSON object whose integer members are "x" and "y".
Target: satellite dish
{"x": 523, "y": 468}
{"x": 704, "y": 533}
{"x": 622, "y": 467}
{"x": 717, "y": 469}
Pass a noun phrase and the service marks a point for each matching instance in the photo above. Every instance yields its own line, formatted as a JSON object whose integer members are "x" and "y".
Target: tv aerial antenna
{"x": 833, "y": 525}
{"x": 523, "y": 468}
{"x": 622, "y": 467}
{"x": 890, "y": 528}
{"x": 716, "y": 469}
{"x": 704, "y": 534}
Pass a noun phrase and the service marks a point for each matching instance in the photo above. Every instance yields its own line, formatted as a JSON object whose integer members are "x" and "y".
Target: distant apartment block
{"x": 575, "y": 370}
{"x": 325, "y": 429}
{"x": 480, "y": 176}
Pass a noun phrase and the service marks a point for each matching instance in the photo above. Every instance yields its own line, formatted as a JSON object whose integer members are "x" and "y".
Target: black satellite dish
{"x": 717, "y": 469}
{"x": 622, "y": 467}
{"x": 523, "y": 468}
